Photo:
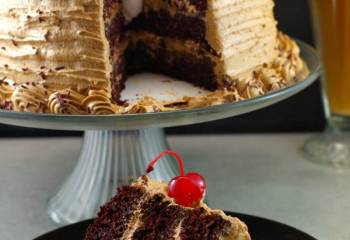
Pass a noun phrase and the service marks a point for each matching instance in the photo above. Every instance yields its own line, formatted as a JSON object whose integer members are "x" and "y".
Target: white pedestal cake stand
{"x": 117, "y": 147}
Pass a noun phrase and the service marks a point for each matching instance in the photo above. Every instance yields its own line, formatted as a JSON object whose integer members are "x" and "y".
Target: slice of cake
{"x": 144, "y": 210}
{"x": 74, "y": 56}
{"x": 148, "y": 209}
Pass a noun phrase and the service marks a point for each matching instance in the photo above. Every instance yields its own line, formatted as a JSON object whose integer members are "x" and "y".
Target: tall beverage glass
{"x": 332, "y": 30}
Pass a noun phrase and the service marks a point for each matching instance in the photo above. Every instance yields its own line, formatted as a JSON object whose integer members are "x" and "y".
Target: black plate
{"x": 259, "y": 228}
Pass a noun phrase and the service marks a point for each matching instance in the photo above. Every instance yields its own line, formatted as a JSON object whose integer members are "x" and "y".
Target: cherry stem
{"x": 168, "y": 152}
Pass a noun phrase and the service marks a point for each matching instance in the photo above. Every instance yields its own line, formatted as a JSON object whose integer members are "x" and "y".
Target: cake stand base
{"x": 107, "y": 160}
{"x": 330, "y": 148}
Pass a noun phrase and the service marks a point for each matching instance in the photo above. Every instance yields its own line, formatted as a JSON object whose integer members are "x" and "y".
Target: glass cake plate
{"x": 117, "y": 147}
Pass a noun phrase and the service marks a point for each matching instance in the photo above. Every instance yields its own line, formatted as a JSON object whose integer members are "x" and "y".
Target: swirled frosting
{"x": 30, "y": 97}
{"x": 6, "y": 90}
{"x": 99, "y": 103}
{"x": 66, "y": 102}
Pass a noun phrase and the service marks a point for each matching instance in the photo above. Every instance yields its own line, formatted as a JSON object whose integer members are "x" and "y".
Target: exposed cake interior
{"x": 206, "y": 42}
{"x": 74, "y": 56}
{"x": 144, "y": 211}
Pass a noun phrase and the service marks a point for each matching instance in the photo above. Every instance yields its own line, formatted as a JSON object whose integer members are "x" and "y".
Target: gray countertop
{"x": 262, "y": 175}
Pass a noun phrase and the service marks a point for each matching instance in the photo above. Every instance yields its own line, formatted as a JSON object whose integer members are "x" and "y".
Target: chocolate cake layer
{"x": 200, "y": 225}
{"x": 114, "y": 217}
{"x": 180, "y": 26}
{"x": 162, "y": 220}
{"x": 187, "y": 7}
{"x": 159, "y": 219}
{"x": 115, "y": 32}
{"x": 198, "y": 70}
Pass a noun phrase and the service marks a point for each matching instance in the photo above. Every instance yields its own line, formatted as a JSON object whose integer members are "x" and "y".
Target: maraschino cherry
{"x": 187, "y": 190}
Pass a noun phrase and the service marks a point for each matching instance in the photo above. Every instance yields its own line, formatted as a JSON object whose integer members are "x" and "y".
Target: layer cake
{"x": 74, "y": 56}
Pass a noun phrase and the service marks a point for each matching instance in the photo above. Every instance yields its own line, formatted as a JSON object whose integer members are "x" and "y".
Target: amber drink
{"x": 332, "y": 25}
{"x": 332, "y": 28}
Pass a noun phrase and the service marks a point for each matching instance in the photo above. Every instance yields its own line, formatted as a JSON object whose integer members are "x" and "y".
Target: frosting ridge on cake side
{"x": 56, "y": 45}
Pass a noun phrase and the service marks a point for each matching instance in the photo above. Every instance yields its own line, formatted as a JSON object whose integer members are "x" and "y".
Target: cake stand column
{"x": 107, "y": 160}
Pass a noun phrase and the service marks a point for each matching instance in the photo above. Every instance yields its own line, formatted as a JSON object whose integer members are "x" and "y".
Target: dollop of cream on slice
{"x": 132, "y": 8}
